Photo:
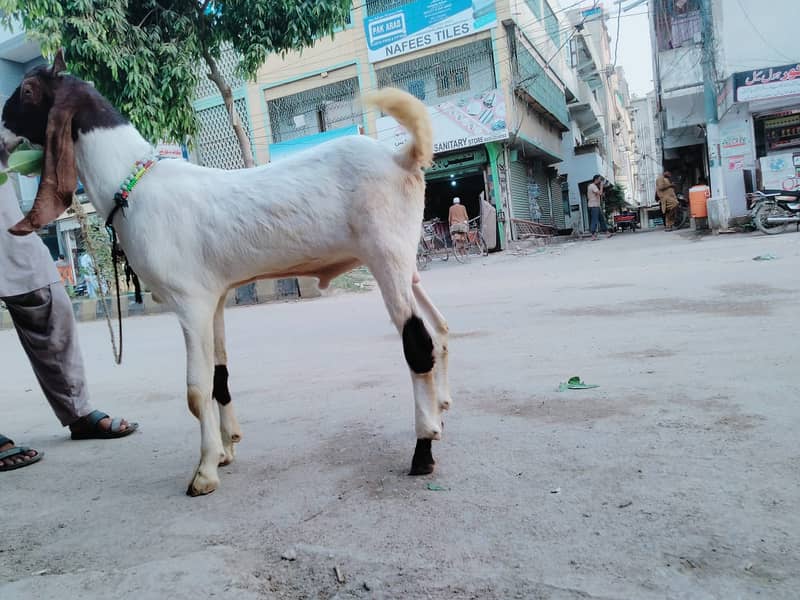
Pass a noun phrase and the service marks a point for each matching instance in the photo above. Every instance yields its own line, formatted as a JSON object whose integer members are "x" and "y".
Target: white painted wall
{"x": 753, "y": 34}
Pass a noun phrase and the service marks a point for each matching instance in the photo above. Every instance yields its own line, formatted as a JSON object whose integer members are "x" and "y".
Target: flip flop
{"x": 95, "y": 433}
{"x": 16, "y": 451}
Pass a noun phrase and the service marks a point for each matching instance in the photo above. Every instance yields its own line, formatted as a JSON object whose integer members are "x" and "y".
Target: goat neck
{"x": 104, "y": 157}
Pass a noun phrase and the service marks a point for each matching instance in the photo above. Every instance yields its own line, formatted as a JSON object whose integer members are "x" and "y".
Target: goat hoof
{"x": 422, "y": 463}
{"x": 201, "y": 485}
{"x": 227, "y": 459}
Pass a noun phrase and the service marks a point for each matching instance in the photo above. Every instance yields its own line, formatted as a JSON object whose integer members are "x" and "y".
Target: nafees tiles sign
{"x": 424, "y": 24}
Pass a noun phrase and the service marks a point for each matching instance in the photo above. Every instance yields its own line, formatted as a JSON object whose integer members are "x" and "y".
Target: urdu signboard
{"x": 774, "y": 82}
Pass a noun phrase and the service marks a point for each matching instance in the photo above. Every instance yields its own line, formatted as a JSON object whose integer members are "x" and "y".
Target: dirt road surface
{"x": 676, "y": 478}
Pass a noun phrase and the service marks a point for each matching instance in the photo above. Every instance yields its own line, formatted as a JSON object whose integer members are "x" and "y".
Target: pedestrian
{"x": 86, "y": 265}
{"x": 31, "y": 288}
{"x": 458, "y": 220}
{"x": 665, "y": 190}
{"x": 594, "y": 202}
{"x": 488, "y": 222}
{"x": 605, "y": 188}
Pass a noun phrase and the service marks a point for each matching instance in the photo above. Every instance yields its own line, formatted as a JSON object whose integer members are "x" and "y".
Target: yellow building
{"x": 489, "y": 71}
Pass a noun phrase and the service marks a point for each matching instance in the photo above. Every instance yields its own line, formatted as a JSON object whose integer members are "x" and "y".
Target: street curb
{"x": 259, "y": 292}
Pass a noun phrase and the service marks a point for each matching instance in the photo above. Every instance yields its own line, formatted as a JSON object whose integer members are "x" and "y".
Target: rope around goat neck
{"x": 84, "y": 223}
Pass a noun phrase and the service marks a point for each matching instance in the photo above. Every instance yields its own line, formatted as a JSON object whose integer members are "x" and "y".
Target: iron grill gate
{"x": 216, "y": 143}
{"x": 316, "y": 110}
{"x": 443, "y": 74}
{"x": 227, "y": 63}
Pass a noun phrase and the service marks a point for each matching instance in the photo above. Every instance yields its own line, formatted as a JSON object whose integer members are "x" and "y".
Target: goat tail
{"x": 411, "y": 114}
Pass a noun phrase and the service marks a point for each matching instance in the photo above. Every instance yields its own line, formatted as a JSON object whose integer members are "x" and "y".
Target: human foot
{"x": 13, "y": 457}
{"x": 98, "y": 425}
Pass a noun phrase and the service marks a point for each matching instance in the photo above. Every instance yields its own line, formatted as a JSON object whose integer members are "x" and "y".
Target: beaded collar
{"x": 121, "y": 197}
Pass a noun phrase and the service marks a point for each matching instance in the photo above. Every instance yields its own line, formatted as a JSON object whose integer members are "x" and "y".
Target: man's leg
{"x": 46, "y": 327}
{"x": 669, "y": 217}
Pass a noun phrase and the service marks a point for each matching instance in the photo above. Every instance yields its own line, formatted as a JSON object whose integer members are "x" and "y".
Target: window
{"x": 678, "y": 23}
{"x": 452, "y": 78}
{"x": 375, "y": 7}
{"x": 416, "y": 88}
{"x": 573, "y": 52}
{"x": 536, "y": 7}
{"x": 435, "y": 76}
{"x": 314, "y": 111}
{"x": 551, "y": 24}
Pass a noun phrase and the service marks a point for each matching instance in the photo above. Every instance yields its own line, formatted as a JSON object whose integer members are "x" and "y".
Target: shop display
{"x": 782, "y": 132}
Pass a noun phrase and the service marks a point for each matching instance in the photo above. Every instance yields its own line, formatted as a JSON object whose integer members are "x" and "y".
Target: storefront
{"x": 465, "y": 128}
{"x": 760, "y": 131}
{"x": 459, "y": 174}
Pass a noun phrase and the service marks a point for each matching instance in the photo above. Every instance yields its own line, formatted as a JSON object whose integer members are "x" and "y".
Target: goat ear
{"x": 59, "y": 64}
{"x": 59, "y": 174}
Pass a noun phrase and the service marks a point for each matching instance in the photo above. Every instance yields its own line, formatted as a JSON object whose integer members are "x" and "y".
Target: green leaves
{"x": 26, "y": 162}
{"x": 146, "y": 56}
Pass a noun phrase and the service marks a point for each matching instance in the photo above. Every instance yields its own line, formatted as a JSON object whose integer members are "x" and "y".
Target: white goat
{"x": 192, "y": 233}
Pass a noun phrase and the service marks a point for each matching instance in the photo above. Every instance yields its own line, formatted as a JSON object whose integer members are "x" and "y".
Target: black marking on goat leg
{"x": 221, "y": 391}
{"x": 422, "y": 463}
{"x": 417, "y": 345}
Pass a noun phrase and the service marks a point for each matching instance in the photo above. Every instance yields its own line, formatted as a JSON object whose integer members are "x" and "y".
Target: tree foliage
{"x": 145, "y": 55}
{"x": 615, "y": 200}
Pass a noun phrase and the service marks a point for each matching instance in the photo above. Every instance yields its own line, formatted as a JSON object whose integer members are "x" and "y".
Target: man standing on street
{"x": 458, "y": 221}
{"x": 31, "y": 288}
{"x": 665, "y": 190}
{"x": 594, "y": 203}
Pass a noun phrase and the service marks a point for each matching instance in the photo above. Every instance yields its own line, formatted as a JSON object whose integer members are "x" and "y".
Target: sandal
{"x": 95, "y": 433}
{"x": 16, "y": 451}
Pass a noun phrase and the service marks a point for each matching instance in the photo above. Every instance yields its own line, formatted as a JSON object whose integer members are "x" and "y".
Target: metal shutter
{"x": 557, "y": 199}
{"x": 518, "y": 178}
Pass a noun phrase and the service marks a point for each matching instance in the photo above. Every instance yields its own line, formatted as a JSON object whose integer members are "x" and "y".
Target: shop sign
{"x": 774, "y": 82}
{"x": 458, "y": 161}
{"x": 469, "y": 120}
{"x": 735, "y": 145}
{"x": 424, "y": 24}
{"x": 165, "y": 150}
{"x": 778, "y": 172}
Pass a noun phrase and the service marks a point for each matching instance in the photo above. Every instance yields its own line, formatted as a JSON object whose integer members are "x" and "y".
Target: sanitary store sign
{"x": 424, "y": 24}
{"x": 466, "y": 121}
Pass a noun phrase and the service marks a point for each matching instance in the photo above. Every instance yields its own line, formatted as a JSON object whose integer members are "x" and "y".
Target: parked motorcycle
{"x": 774, "y": 210}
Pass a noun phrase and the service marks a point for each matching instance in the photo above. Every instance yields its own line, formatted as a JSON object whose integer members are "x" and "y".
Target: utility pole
{"x": 708, "y": 59}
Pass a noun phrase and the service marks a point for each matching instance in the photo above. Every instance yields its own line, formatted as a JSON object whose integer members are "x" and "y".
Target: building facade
{"x": 600, "y": 140}
{"x": 497, "y": 78}
{"x": 751, "y": 55}
{"x": 647, "y": 155}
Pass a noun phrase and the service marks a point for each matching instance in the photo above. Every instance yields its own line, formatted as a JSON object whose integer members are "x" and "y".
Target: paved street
{"x": 676, "y": 478}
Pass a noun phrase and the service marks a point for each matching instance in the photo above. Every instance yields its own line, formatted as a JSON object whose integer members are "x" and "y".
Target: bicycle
{"x": 471, "y": 242}
{"x": 431, "y": 244}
